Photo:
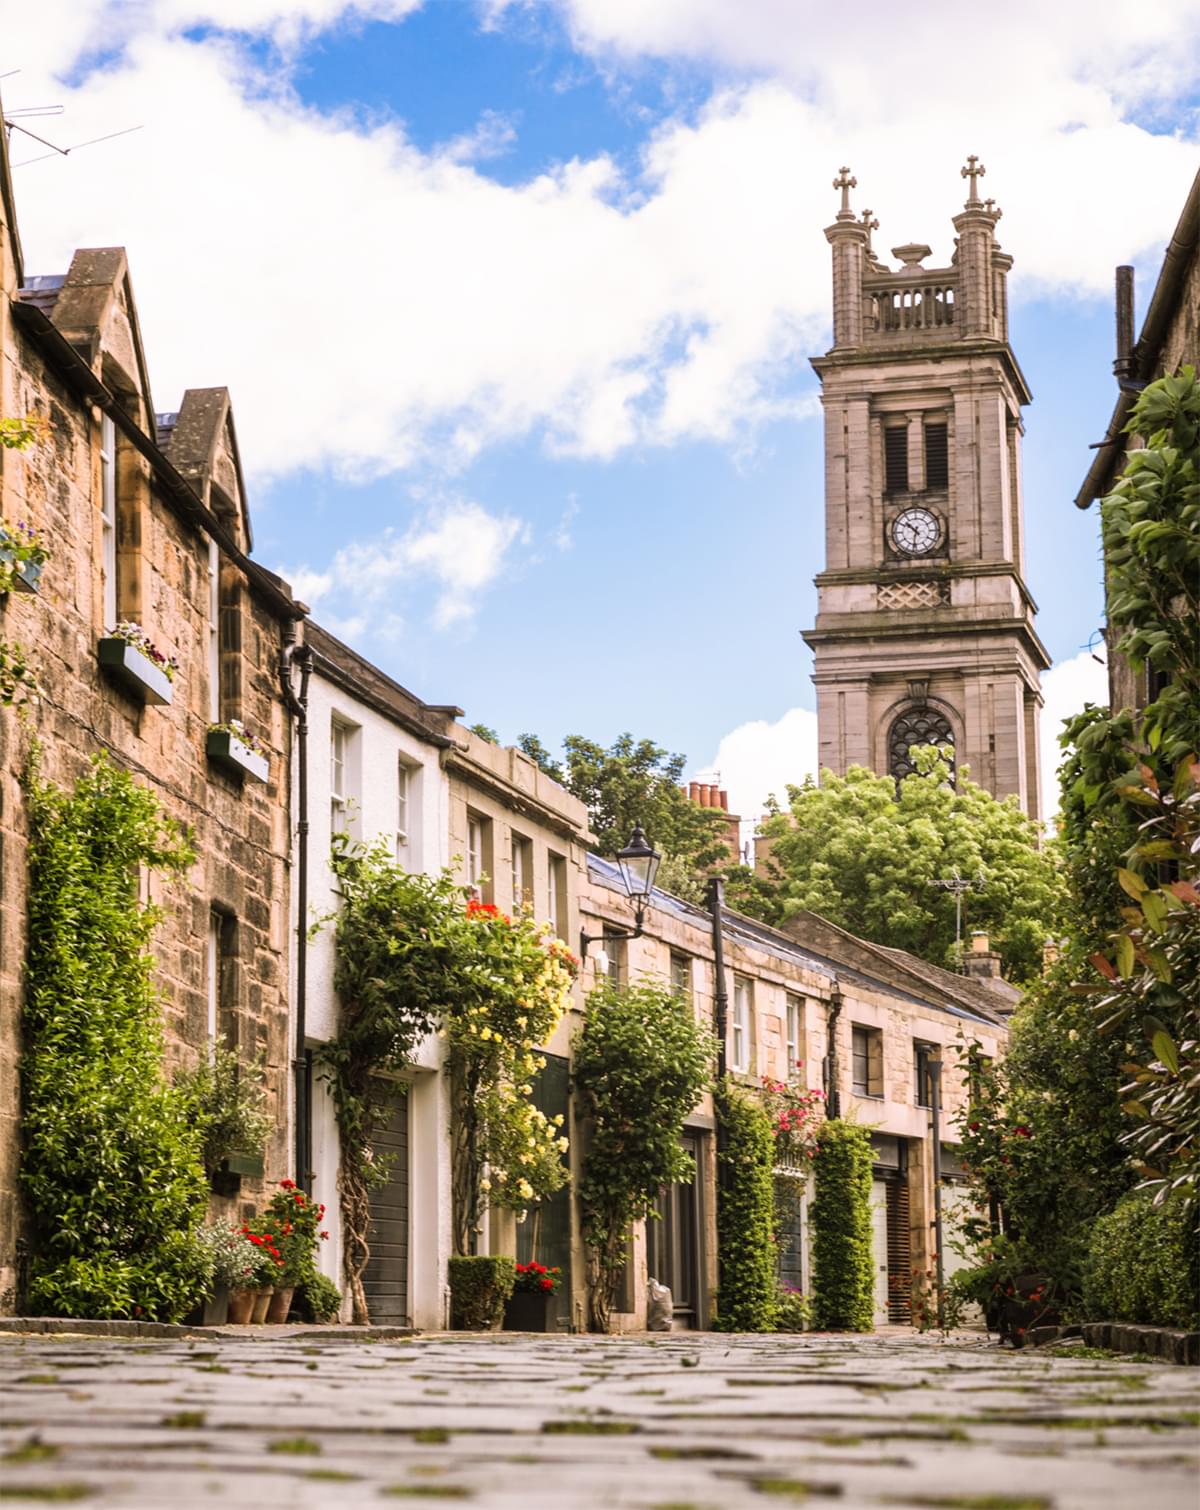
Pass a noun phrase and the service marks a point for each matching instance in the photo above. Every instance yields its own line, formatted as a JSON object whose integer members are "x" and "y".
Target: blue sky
{"x": 516, "y": 298}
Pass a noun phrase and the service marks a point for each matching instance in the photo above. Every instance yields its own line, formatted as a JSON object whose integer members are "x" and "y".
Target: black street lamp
{"x": 638, "y": 863}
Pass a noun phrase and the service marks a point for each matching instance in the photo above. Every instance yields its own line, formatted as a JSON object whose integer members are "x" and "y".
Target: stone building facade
{"x": 1169, "y": 339}
{"x": 830, "y": 1012}
{"x": 145, "y": 519}
{"x": 924, "y": 629}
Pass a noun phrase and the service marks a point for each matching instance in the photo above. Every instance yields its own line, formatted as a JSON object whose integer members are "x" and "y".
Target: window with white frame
{"x": 405, "y": 797}
{"x": 522, "y": 871}
{"x": 681, "y": 976}
{"x": 742, "y": 1006}
{"x": 108, "y": 518}
{"x": 479, "y": 855}
{"x": 794, "y": 1009}
{"x": 214, "y": 632}
{"x": 343, "y": 775}
{"x": 214, "y": 973}
{"x": 556, "y": 894}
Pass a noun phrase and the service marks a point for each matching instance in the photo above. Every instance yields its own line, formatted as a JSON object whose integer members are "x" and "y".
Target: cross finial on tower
{"x": 869, "y": 224}
{"x": 993, "y": 208}
{"x": 845, "y": 182}
{"x": 974, "y": 171}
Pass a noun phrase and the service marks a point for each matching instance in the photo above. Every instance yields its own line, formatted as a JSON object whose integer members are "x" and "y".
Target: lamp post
{"x": 639, "y": 863}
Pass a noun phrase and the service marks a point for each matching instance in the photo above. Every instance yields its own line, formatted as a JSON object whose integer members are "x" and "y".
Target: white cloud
{"x": 1066, "y": 688}
{"x": 457, "y": 547}
{"x": 760, "y": 759}
{"x": 372, "y": 305}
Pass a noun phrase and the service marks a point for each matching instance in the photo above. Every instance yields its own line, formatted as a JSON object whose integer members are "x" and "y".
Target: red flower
{"x": 547, "y": 1284}
{"x": 323, "y": 1234}
{"x": 1022, "y": 1132}
{"x": 972, "y": 1126}
{"x": 287, "y": 1184}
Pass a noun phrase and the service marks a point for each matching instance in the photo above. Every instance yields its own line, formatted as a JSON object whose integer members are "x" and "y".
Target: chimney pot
{"x": 694, "y": 791}
{"x": 724, "y": 796}
{"x": 980, "y": 942}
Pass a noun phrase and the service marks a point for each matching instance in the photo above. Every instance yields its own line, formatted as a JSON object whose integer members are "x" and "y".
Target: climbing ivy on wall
{"x": 111, "y": 1169}
{"x": 746, "y": 1300}
{"x": 840, "y": 1220}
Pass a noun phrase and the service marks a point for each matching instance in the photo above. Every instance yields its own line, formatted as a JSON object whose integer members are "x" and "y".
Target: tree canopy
{"x": 637, "y": 781}
{"x": 867, "y": 856}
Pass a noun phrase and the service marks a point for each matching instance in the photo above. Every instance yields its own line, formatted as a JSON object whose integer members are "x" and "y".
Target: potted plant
{"x": 22, "y": 556}
{"x": 296, "y": 1221}
{"x": 229, "y": 1100}
{"x": 232, "y": 745}
{"x": 267, "y": 1267}
{"x": 533, "y": 1304}
{"x": 135, "y": 662}
{"x": 232, "y": 1262}
{"x": 479, "y": 1286}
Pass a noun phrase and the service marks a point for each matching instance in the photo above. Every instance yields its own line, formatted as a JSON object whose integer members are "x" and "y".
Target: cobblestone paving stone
{"x": 677, "y": 1422}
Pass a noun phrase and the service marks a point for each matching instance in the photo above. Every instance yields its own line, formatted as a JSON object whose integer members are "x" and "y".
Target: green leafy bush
{"x": 746, "y": 1301}
{"x": 479, "y": 1286}
{"x": 317, "y": 1299}
{"x": 793, "y": 1311}
{"x": 1143, "y": 1265}
{"x": 840, "y": 1219}
{"x": 229, "y": 1103}
{"x": 112, "y": 1171}
{"x": 641, "y": 1064}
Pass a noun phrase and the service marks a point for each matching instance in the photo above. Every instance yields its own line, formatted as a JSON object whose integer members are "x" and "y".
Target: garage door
{"x": 385, "y": 1278}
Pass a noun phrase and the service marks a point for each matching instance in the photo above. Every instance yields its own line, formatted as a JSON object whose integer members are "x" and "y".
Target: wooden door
{"x": 385, "y": 1278}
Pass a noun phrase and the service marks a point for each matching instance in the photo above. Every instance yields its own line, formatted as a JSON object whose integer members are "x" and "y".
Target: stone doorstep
{"x": 1170, "y": 1344}
{"x": 66, "y": 1326}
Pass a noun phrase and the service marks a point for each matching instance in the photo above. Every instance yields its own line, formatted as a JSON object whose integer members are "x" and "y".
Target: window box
{"x": 25, "y": 576}
{"x": 135, "y": 672}
{"x": 228, "y": 750}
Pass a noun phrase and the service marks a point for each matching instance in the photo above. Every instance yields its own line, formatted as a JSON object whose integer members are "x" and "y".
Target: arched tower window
{"x": 916, "y": 726}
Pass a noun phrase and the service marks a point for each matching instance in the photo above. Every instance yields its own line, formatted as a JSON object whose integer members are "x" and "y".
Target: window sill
{"x": 866, "y": 1095}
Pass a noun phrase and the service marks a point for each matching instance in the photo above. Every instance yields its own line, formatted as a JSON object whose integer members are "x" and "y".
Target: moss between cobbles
{"x": 796, "y": 1489}
{"x": 186, "y": 1420}
{"x": 589, "y": 1428}
{"x": 669, "y": 1453}
{"x": 431, "y": 1436}
{"x": 34, "y": 1450}
{"x": 298, "y": 1446}
{"x": 332, "y": 1476}
{"x": 47, "y": 1494}
{"x": 973, "y": 1501}
{"x": 428, "y": 1491}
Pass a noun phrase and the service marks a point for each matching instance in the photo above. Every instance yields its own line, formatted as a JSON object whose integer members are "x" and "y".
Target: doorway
{"x": 385, "y": 1279}
{"x": 673, "y": 1242}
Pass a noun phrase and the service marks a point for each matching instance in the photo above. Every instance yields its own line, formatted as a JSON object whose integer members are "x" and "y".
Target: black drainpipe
{"x": 833, "y": 1100}
{"x": 716, "y": 903}
{"x": 290, "y": 655}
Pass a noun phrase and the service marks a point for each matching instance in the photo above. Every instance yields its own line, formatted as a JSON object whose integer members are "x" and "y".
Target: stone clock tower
{"x": 924, "y": 629}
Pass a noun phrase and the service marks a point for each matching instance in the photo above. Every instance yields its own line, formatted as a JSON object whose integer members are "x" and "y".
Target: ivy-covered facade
{"x": 155, "y": 640}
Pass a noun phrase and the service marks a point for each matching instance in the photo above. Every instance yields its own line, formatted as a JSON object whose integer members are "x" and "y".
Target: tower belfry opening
{"x": 925, "y": 627}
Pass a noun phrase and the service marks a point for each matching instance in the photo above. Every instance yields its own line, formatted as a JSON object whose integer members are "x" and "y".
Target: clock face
{"x": 915, "y": 532}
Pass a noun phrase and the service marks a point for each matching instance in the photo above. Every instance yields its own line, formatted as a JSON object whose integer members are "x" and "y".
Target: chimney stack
{"x": 981, "y": 961}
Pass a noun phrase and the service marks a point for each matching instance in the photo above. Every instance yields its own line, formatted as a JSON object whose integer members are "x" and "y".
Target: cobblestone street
{"x": 662, "y": 1423}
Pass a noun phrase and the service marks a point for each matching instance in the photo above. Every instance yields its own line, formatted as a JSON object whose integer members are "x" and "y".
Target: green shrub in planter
{"x": 793, "y": 1311}
{"x": 317, "y": 1299}
{"x": 479, "y": 1286}
{"x": 840, "y": 1220}
{"x": 1143, "y": 1265}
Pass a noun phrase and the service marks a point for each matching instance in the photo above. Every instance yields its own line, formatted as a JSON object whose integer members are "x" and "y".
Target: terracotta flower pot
{"x": 241, "y": 1306}
{"x": 262, "y": 1304}
{"x": 281, "y": 1304}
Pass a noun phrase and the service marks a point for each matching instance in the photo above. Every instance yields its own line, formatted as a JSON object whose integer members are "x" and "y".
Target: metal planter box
{"x": 134, "y": 671}
{"x": 229, "y": 751}
{"x": 531, "y": 1313}
{"x": 26, "y": 578}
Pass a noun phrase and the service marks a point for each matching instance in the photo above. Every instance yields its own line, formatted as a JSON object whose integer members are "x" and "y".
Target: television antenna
{"x": 960, "y": 886}
{"x": 13, "y": 124}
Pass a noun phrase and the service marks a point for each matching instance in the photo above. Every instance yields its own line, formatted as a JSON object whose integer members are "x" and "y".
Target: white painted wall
{"x": 374, "y": 750}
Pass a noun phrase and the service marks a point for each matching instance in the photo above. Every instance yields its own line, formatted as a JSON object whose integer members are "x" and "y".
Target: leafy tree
{"x": 541, "y": 757}
{"x": 641, "y": 1063}
{"x": 485, "y": 732}
{"x": 867, "y": 857}
{"x": 639, "y": 782}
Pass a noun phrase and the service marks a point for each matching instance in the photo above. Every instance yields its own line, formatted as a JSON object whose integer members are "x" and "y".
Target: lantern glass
{"x": 639, "y": 866}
